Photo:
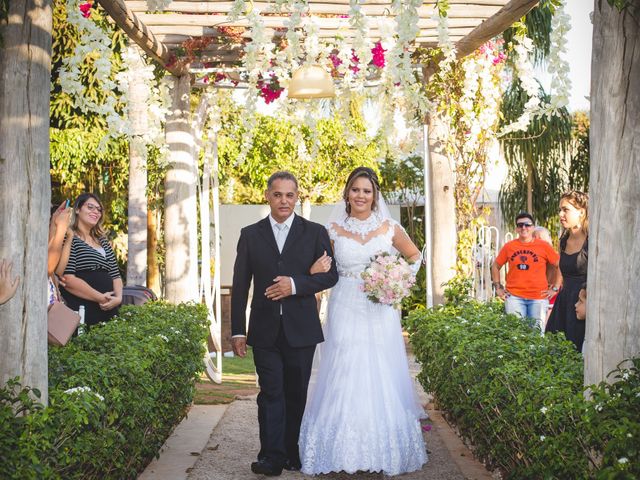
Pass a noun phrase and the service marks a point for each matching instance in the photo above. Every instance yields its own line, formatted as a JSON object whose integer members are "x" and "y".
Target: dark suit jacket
{"x": 258, "y": 259}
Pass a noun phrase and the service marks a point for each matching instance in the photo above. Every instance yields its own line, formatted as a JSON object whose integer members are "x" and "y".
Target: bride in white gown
{"x": 362, "y": 413}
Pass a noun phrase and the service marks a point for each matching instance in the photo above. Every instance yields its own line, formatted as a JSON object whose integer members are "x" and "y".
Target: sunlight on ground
{"x": 238, "y": 379}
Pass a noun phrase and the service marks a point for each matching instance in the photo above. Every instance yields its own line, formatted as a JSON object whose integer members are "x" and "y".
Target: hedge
{"x": 517, "y": 397}
{"x": 115, "y": 394}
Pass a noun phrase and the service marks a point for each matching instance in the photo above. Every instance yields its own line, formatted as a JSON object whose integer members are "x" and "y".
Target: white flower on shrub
{"x": 625, "y": 375}
{"x": 82, "y": 390}
{"x": 544, "y": 410}
{"x": 542, "y": 437}
{"x": 623, "y": 460}
{"x": 599, "y": 407}
{"x": 163, "y": 337}
{"x": 500, "y": 356}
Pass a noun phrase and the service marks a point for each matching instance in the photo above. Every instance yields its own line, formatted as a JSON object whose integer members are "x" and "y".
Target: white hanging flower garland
{"x": 558, "y": 65}
{"x": 524, "y": 69}
{"x": 96, "y": 44}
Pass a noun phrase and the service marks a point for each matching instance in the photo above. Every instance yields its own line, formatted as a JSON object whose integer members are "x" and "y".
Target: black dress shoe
{"x": 265, "y": 467}
{"x": 292, "y": 466}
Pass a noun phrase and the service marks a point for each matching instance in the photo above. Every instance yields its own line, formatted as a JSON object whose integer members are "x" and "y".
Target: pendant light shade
{"x": 311, "y": 81}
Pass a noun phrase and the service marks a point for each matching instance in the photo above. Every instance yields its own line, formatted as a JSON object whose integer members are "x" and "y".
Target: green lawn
{"x": 238, "y": 379}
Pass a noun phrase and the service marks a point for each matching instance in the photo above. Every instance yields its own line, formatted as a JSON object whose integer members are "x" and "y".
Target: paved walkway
{"x": 233, "y": 445}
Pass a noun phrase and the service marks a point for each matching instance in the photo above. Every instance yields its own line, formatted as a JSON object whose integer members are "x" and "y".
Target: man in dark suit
{"x": 284, "y": 326}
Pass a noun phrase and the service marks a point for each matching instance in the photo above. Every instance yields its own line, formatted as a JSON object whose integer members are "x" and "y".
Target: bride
{"x": 362, "y": 412}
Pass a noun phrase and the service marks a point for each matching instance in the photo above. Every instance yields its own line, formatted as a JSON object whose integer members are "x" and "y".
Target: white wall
{"x": 234, "y": 217}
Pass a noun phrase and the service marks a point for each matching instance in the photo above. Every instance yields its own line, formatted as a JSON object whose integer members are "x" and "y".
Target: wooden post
{"x": 613, "y": 305}
{"x": 443, "y": 209}
{"x": 180, "y": 222}
{"x": 25, "y": 187}
{"x": 137, "y": 207}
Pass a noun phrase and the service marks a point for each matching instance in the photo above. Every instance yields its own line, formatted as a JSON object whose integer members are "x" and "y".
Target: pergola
{"x": 161, "y": 34}
{"x": 471, "y": 23}
{"x": 613, "y": 331}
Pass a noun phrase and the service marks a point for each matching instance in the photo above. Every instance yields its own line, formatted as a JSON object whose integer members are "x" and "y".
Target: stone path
{"x": 234, "y": 444}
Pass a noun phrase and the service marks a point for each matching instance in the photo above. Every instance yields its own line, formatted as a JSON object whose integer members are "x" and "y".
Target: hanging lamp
{"x": 311, "y": 81}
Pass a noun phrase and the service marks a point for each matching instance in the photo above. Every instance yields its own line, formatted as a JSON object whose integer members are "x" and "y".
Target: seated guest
{"x": 91, "y": 277}
{"x": 527, "y": 292}
{"x": 8, "y": 286}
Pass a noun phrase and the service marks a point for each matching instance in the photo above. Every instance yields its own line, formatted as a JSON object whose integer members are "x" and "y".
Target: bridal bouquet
{"x": 388, "y": 279}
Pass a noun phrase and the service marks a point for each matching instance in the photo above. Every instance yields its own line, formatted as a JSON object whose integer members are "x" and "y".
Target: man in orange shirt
{"x": 527, "y": 292}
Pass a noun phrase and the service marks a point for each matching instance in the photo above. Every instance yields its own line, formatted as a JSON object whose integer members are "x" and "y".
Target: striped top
{"x": 84, "y": 257}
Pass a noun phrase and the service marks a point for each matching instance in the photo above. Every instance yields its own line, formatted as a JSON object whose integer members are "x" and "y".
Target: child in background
{"x": 581, "y": 304}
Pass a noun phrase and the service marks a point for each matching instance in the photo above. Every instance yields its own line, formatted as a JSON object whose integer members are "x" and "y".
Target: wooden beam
{"x": 177, "y": 21}
{"x": 494, "y": 25}
{"x": 173, "y": 35}
{"x": 140, "y": 34}
{"x": 315, "y": 8}
{"x": 140, "y": 5}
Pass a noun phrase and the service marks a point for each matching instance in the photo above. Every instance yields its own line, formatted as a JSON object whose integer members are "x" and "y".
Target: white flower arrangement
{"x": 523, "y": 46}
{"x": 96, "y": 44}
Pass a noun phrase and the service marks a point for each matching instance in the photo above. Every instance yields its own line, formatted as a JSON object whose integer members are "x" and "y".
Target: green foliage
{"x": 276, "y": 147}
{"x": 537, "y": 25}
{"x": 65, "y": 38}
{"x": 4, "y": 15}
{"x": 518, "y": 397}
{"x": 144, "y": 364}
{"x": 536, "y": 159}
{"x": 619, "y": 4}
{"x": 579, "y": 157}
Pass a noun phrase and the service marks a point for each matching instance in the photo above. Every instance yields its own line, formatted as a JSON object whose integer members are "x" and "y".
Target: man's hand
{"x": 280, "y": 289}
{"x": 239, "y": 345}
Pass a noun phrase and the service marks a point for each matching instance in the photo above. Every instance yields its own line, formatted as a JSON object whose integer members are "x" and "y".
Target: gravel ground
{"x": 234, "y": 444}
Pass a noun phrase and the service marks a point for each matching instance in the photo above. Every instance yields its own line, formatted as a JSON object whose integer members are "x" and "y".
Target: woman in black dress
{"x": 91, "y": 277}
{"x": 574, "y": 244}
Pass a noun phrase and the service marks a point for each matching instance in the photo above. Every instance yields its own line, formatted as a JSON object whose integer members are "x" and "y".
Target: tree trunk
{"x": 181, "y": 213}
{"x": 443, "y": 213}
{"x": 153, "y": 269}
{"x": 25, "y": 187}
{"x": 613, "y": 306}
{"x": 529, "y": 186}
{"x": 137, "y": 206}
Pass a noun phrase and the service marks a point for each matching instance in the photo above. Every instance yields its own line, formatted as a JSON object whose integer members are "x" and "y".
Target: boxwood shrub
{"x": 115, "y": 394}
{"x": 518, "y": 396}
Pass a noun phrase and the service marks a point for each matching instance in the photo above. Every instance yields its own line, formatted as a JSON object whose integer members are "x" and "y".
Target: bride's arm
{"x": 323, "y": 264}
{"x": 405, "y": 246}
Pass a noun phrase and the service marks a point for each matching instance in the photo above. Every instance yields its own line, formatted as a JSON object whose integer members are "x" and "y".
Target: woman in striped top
{"x": 91, "y": 277}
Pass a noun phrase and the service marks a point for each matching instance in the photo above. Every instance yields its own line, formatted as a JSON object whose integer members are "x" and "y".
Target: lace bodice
{"x": 354, "y": 247}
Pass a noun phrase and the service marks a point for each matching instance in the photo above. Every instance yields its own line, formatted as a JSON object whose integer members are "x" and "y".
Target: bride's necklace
{"x": 362, "y": 227}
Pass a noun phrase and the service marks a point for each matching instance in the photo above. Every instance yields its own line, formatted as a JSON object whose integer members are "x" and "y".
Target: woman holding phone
{"x": 91, "y": 277}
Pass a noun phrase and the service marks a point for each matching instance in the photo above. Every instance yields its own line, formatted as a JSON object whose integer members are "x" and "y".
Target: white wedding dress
{"x": 362, "y": 411}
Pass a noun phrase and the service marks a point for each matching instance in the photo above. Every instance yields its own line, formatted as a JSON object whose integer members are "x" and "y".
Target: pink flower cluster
{"x": 388, "y": 279}
{"x": 270, "y": 89}
{"x": 378, "y": 55}
{"x": 493, "y": 51}
{"x": 85, "y": 9}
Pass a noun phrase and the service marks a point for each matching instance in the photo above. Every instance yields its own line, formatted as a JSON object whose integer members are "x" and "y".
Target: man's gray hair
{"x": 281, "y": 175}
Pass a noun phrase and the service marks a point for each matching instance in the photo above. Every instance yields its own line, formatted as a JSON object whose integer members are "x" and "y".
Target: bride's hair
{"x": 370, "y": 175}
